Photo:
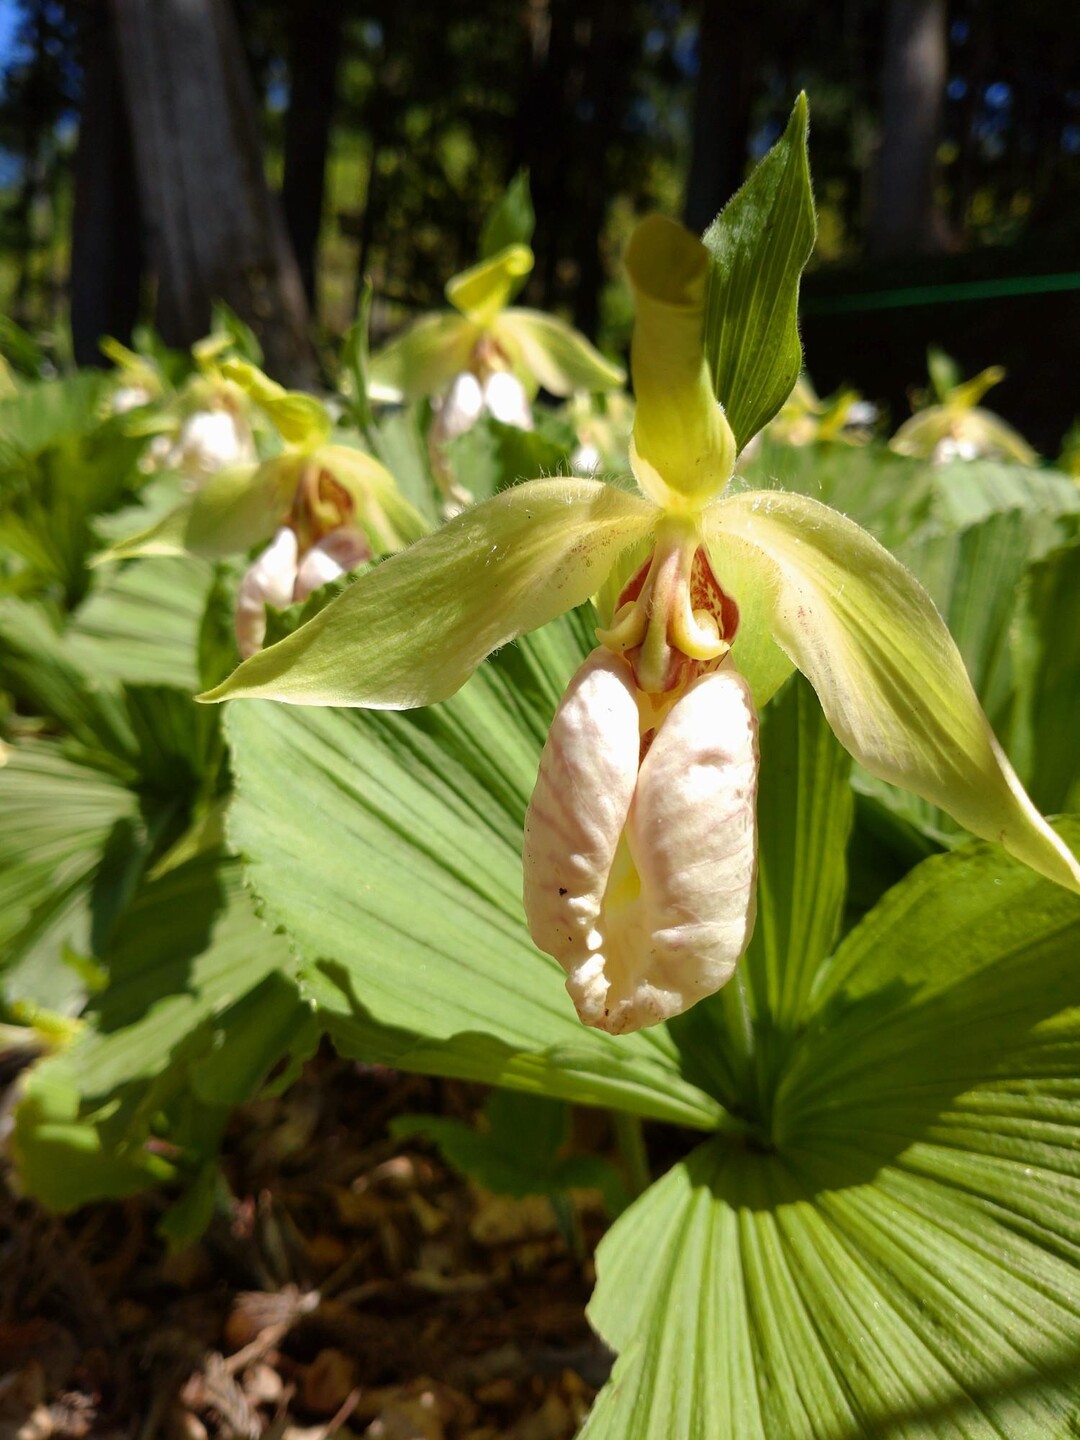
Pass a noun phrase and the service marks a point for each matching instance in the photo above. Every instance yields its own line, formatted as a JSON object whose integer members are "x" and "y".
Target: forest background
{"x": 137, "y": 139}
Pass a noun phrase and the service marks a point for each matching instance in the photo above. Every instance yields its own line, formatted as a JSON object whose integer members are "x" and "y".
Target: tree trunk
{"x": 728, "y": 42}
{"x": 214, "y": 231}
{"x": 314, "y": 51}
{"x": 904, "y": 218}
{"x": 106, "y": 228}
{"x": 608, "y": 60}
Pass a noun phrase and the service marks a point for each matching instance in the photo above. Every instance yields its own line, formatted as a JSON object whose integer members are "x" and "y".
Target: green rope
{"x": 940, "y": 294}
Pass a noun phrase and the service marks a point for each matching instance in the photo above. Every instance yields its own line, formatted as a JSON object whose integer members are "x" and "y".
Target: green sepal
{"x": 759, "y": 244}
{"x": 301, "y": 420}
{"x": 233, "y": 510}
{"x": 424, "y": 359}
{"x": 683, "y": 445}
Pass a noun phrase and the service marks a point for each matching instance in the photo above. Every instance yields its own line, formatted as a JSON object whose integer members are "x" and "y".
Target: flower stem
{"x": 632, "y": 1152}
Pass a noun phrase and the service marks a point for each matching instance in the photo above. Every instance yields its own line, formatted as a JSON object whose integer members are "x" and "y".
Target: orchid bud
{"x": 640, "y": 870}
{"x": 269, "y": 580}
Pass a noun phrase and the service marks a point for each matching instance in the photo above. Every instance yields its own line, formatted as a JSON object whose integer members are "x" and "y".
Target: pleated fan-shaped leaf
{"x": 891, "y": 1248}
{"x": 388, "y": 845}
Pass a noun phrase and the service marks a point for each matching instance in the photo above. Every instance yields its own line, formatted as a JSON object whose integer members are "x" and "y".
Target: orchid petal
{"x": 886, "y": 670}
{"x": 506, "y": 401}
{"x": 269, "y": 580}
{"x": 334, "y": 555}
{"x": 640, "y": 882}
{"x": 460, "y": 409}
{"x": 484, "y": 289}
{"x": 556, "y": 355}
{"x": 682, "y": 439}
{"x": 412, "y": 630}
{"x": 424, "y": 358}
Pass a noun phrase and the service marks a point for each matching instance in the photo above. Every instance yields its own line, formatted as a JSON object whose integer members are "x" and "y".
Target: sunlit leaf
{"x": 759, "y": 244}
{"x": 404, "y": 899}
{"x": 893, "y": 1251}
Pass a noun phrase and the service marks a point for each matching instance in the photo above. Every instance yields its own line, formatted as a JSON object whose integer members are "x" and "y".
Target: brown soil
{"x": 351, "y": 1285}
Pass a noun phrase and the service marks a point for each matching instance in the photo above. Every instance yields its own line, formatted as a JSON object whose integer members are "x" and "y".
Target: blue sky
{"x": 9, "y": 18}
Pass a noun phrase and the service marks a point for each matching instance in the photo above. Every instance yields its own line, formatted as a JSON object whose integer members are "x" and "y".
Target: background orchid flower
{"x": 485, "y": 335}
{"x": 736, "y": 583}
{"x": 324, "y": 507}
{"x": 950, "y": 424}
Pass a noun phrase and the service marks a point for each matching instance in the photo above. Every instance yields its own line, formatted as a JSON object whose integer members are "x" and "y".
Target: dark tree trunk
{"x": 728, "y": 46}
{"x": 612, "y": 42}
{"x": 314, "y": 52}
{"x": 214, "y": 231}
{"x": 541, "y": 139}
{"x": 904, "y": 218}
{"x": 106, "y": 228}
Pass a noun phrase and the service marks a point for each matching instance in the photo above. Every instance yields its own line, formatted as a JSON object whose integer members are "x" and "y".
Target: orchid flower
{"x": 639, "y": 841}
{"x": 487, "y": 358}
{"x": 950, "y": 424}
{"x": 325, "y": 508}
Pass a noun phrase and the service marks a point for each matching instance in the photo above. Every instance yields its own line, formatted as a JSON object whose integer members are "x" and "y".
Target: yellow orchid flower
{"x": 639, "y": 842}
{"x": 325, "y": 508}
{"x": 484, "y": 336}
{"x": 952, "y": 425}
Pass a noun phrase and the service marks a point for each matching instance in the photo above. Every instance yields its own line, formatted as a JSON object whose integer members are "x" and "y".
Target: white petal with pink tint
{"x": 269, "y": 580}
{"x": 579, "y": 806}
{"x": 506, "y": 400}
{"x": 336, "y": 554}
{"x": 642, "y": 884}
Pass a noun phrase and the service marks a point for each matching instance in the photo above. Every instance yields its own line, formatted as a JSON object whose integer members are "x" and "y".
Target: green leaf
{"x": 404, "y": 900}
{"x": 49, "y": 414}
{"x": 514, "y": 1154}
{"x": 1046, "y": 655}
{"x": 355, "y": 363}
{"x": 38, "y": 669}
{"x": 895, "y": 1255}
{"x": 518, "y": 1152}
{"x": 70, "y": 840}
{"x": 491, "y": 456}
{"x": 512, "y": 219}
{"x": 201, "y": 1004}
{"x": 735, "y": 1043}
{"x": 141, "y": 623}
{"x": 759, "y": 244}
